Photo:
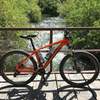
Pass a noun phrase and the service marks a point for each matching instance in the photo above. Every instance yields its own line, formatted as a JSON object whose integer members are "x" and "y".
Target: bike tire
{"x": 80, "y": 54}
{"x": 3, "y": 64}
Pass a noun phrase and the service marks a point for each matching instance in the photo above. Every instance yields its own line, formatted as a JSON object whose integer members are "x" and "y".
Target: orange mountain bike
{"x": 77, "y": 68}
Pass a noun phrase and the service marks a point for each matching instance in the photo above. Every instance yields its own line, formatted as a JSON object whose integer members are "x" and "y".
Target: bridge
{"x": 57, "y": 89}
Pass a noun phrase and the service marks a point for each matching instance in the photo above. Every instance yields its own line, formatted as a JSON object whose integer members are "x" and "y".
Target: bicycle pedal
{"x": 41, "y": 72}
{"x": 78, "y": 70}
{"x": 16, "y": 73}
{"x": 46, "y": 83}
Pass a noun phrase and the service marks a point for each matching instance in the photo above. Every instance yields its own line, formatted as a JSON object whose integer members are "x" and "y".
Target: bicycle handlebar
{"x": 67, "y": 33}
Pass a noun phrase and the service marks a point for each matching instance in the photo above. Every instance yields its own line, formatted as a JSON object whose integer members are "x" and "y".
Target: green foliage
{"x": 11, "y": 15}
{"x": 49, "y": 7}
{"x": 82, "y": 13}
{"x": 14, "y": 13}
{"x": 34, "y": 13}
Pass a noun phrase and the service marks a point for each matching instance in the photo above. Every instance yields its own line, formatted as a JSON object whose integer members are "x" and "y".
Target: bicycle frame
{"x": 61, "y": 43}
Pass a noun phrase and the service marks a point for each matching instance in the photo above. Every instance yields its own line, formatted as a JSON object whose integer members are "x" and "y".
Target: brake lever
{"x": 67, "y": 34}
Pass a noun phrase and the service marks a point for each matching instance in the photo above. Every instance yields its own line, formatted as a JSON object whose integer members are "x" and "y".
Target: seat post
{"x": 32, "y": 43}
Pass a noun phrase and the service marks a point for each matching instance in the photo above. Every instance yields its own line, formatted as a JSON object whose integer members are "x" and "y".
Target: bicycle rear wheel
{"x": 8, "y": 68}
{"x": 79, "y": 69}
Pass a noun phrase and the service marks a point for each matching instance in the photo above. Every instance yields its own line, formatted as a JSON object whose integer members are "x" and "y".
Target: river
{"x": 51, "y": 22}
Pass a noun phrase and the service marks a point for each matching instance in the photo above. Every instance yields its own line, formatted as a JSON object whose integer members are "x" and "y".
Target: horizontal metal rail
{"x": 47, "y": 29}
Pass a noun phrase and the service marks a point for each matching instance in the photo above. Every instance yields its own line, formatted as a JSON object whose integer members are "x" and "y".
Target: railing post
{"x": 51, "y": 41}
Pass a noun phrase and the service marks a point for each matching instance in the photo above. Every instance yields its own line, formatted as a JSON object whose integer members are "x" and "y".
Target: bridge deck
{"x": 57, "y": 89}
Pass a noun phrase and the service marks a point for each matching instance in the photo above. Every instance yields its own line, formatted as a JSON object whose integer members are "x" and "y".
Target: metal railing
{"x": 51, "y": 32}
{"x": 47, "y": 29}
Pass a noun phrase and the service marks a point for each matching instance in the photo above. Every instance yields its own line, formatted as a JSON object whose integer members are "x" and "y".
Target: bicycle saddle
{"x": 27, "y": 36}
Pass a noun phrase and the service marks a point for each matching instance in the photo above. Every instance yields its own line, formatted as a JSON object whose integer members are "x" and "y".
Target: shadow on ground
{"x": 11, "y": 92}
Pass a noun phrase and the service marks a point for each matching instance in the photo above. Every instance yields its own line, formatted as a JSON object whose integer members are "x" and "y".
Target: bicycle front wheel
{"x": 8, "y": 68}
{"x": 79, "y": 69}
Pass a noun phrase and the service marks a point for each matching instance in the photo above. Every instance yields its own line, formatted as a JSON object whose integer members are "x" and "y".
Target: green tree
{"x": 14, "y": 13}
{"x": 49, "y": 7}
{"x": 34, "y": 13}
{"x": 82, "y": 13}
